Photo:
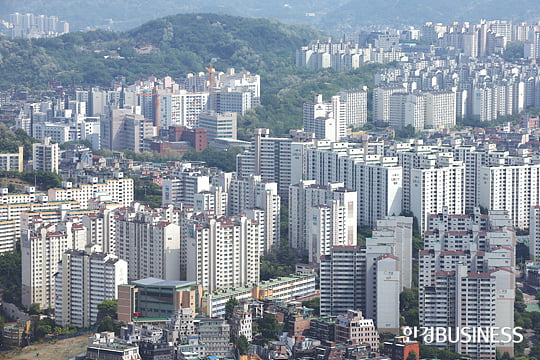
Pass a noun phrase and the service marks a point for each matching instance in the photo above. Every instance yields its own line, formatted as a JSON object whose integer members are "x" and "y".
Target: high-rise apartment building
{"x": 359, "y": 278}
{"x": 376, "y": 179}
{"x": 329, "y": 119}
{"x": 321, "y": 216}
{"x": 179, "y": 190}
{"x": 82, "y": 282}
{"x": 467, "y": 277}
{"x": 221, "y": 253}
{"x": 12, "y": 162}
{"x": 440, "y": 109}
{"x": 381, "y": 101}
{"x": 278, "y": 160}
{"x": 149, "y": 244}
{"x": 435, "y": 185}
{"x": 218, "y": 125}
{"x": 121, "y": 129}
{"x": 512, "y": 185}
{"x": 45, "y": 156}
{"x": 246, "y": 195}
{"x": 42, "y": 247}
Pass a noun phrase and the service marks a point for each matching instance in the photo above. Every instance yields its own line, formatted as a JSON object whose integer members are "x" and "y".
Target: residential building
{"x": 241, "y": 324}
{"x": 42, "y": 247}
{"x": 149, "y": 244}
{"x": 12, "y": 162}
{"x": 353, "y": 328}
{"x": 251, "y": 194}
{"x": 105, "y": 346}
{"x": 82, "y": 282}
{"x": 511, "y": 187}
{"x": 321, "y": 217}
{"x": 376, "y": 179}
{"x": 278, "y": 160}
{"x": 467, "y": 277}
{"x": 215, "y": 334}
{"x": 45, "y": 156}
{"x": 218, "y": 125}
{"x": 121, "y": 130}
{"x": 221, "y": 253}
{"x": 118, "y": 189}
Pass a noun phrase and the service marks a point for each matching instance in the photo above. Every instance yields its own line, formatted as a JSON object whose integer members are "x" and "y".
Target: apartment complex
{"x": 467, "y": 276}
{"x": 82, "y": 282}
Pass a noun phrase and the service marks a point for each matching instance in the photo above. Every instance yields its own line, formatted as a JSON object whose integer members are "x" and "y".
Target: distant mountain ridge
{"x": 337, "y": 15}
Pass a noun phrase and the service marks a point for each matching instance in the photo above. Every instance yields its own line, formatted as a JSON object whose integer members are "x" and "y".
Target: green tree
{"x": 44, "y": 180}
{"x": 514, "y": 51}
{"x": 34, "y": 309}
{"x": 108, "y": 308}
{"x": 408, "y": 299}
{"x": 519, "y": 304}
{"x": 229, "y": 307}
{"x": 314, "y": 303}
{"x": 42, "y": 330}
{"x": 269, "y": 327}
{"x": 242, "y": 344}
{"x": 412, "y": 356}
{"x": 106, "y": 324}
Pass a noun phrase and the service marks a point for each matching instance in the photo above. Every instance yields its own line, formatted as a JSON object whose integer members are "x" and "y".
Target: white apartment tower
{"x": 180, "y": 189}
{"x": 376, "y": 179}
{"x": 381, "y": 101}
{"x": 467, "y": 276}
{"x": 42, "y": 247}
{"x": 343, "y": 280}
{"x": 440, "y": 109}
{"x": 45, "y": 156}
{"x": 356, "y": 278}
{"x": 278, "y": 160}
{"x": 253, "y": 193}
{"x": 355, "y": 106}
{"x": 82, "y": 282}
{"x": 436, "y": 185}
{"x": 321, "y": 217}
{"x": 514, "y": 187}
{"x": 534, "y": 233}
{"x": 149, "y": 244}
{"x": 221, "y": 253}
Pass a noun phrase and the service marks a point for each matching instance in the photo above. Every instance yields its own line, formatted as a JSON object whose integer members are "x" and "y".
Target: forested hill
{"x": 174, "y": 45}
{"x": 177, "y": 45}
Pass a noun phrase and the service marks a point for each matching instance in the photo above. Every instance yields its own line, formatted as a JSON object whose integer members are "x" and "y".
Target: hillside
{"x": 179, "y": 44}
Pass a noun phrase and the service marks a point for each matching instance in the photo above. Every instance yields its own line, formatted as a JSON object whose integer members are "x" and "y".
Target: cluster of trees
{"x": 223, "y": 160}
{"x": 266, "y": 329}
{"x": 11, "y": 140}
{"x": 11, "y": 276}
{"x": 47, "y": 326}
{"x": 42, "y": 179}
{"x": 314, "y": 303}
{"x": 284, "y": 92}
{"x": 278, "y": 262}
{"x": 183, "y": 43}
{"x": 147, "y": 192}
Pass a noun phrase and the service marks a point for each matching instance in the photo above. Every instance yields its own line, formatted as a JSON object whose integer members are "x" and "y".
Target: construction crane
{"x": 210, "y": 69}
